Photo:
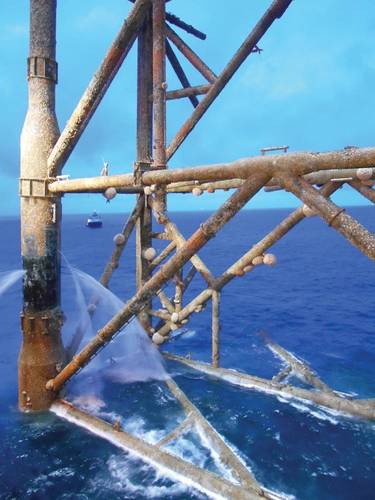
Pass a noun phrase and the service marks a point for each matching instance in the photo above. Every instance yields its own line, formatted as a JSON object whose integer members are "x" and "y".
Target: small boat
{"x": 94, "y": 221}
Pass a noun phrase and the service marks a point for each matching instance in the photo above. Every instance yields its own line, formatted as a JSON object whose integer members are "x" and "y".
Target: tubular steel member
{"x": 191, "y": 56}
{"x": 217, "y": 443}
{"x": 206, "y": 232}
{"x": 144, "y": 154}
{"x": 175, "y": 63}
{"x": 335, "y": 216}
{"x": 159, "y": 85}
{"x": 175, "y": 235}
{"x": 363, "y": 408}
{"x": 215, "y": 326}
{"x": 190, "y": 92}
{"x": 42, "y": 353}
{"x": 120, "y": 245}
{"x": 275, "y": 11}
{"x": 301, "y": 163}
{"x": 97, "y": 87}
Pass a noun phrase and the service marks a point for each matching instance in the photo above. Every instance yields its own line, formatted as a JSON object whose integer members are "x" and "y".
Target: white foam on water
{"x": 136, "y": 427}
{"x": 119, "y": 469}
{"x": 184, "y": 333}
{"x": 225, "y": 470}
{"x": 186, "y": 449}
{"x": 9, "y": 278}
{"x": 93, "y": 405}
{"x": 321, "y": 414}
{"x": 89, "y": 403}
{"x": 62, "y": 472}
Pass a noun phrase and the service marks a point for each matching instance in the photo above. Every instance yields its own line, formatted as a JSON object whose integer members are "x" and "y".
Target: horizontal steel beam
{"x": 359, "y": 408}
{"x": 293, "y": 163}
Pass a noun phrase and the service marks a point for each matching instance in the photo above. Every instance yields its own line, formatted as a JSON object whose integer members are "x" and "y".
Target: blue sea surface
{"x": 318, "y": 302}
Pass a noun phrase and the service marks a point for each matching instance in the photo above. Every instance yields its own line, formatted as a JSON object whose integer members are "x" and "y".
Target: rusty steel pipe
{"x": 275, "y": 11}
{"x": 190, "y": 92}
{"x": 178, "y": 69}
{"x": 270, "y": 239}
{"x": 363, "y": 408}
{"x": 335, "y": 216}
{"x": 159, "y": 83}
{"x": 191, "y": 56}
{"x": 165, "y": 273}
{"x": 215, "y": 328}
{"x": 97, "y": 88}
{"x": 171, "y": 18}
{"x": 295, "y": 163}
{"x": 42, "y": 352}
{"x": 144, "y": 155}
{"x": 119, "y": 248}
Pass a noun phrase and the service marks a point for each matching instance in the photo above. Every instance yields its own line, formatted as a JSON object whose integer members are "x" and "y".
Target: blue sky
{"x": 311, "y": 88}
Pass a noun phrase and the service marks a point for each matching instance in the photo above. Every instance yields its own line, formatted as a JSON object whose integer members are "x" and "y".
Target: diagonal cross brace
{"x": 165, "y": 273}
{"x": 335, "y": 216}
{"x": 97, "y": 88}
{"x": 275, "y": 11}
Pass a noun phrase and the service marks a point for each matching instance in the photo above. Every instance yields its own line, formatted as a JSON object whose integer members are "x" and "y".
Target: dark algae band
{"x": 41, "y": 288}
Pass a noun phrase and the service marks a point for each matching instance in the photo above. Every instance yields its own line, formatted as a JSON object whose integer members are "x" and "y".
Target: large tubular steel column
{"x": 144, "y": 153}
{"x": 42, "y": 353}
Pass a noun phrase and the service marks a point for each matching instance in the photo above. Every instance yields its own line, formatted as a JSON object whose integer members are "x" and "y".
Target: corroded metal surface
{"x": 159, "y": 84}
{"x": 293, "y": 163}
{"x": 42, "y": 353}
{"x": 144, "y": 154}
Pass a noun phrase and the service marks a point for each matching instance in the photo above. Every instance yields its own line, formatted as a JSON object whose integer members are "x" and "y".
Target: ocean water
{"x": 318, "y": 302}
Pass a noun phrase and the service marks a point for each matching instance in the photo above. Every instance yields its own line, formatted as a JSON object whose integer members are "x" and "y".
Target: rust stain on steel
{"x": 166, "y": 272}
